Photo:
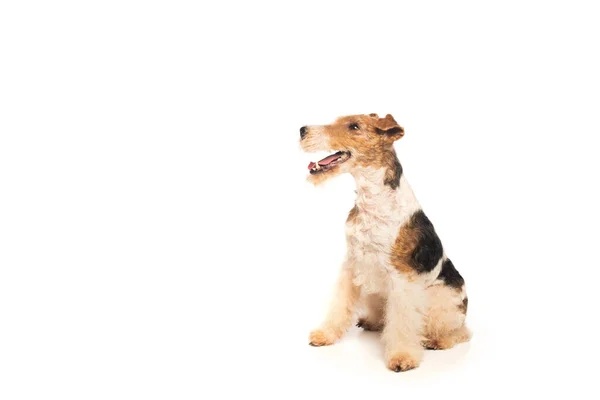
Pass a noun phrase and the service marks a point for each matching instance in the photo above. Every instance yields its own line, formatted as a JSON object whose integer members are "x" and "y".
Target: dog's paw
{"x": 436, "y": 344}
{"x": 320, "y": 338}
{"x": 369, "y": 326}
{"x": 430, "y": 344}
{"x": 402, "y": 362}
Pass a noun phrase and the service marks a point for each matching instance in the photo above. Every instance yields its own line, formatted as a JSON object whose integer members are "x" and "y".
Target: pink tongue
{"x": 329, "y": 159}
{"x": 311, "y": 165}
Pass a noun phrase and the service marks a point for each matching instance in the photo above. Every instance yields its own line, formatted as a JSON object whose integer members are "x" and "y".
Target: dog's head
{"x": 354, "y": 140}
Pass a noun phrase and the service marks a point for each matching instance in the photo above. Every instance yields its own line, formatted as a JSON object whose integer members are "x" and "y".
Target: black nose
{"x": 302, "y": 132}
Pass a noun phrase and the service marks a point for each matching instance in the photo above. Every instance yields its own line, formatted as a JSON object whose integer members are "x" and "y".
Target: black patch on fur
{"x": 429, "y": 250}
{"x": 390, "y": 131}
{"x": 392, "y": 175}
{"x": 450, "y": 275}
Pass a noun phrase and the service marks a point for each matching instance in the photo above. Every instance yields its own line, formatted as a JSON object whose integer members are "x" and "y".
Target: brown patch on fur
{"x": 403, "y": 247}
{"x": 463, "y": 307}
{"x": 387, "y": 123}
{"x": 367, "y": 140}
{"x": 352, "y": 215}
{"x": 393, "y": 173}
{"x": 402, "y": 362}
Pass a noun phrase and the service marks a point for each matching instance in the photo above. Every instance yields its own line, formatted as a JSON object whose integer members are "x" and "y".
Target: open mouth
{"x": 328, "y": 162}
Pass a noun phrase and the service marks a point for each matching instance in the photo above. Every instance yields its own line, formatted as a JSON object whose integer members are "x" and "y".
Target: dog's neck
{"x": 369, "y": 181}
{"x": 377, "y": 196}
{"x": 377, "y": 173}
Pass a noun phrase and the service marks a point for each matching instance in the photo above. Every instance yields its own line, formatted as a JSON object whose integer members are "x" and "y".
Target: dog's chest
{"x": 372, "y": 229}
{"x": 367, "y": 233}
{"x": 369, "y": 241}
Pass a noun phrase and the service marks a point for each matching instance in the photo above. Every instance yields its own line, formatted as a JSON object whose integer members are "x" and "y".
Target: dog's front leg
{"x": 403, "y": 324}
{"x": 341, "y": 310}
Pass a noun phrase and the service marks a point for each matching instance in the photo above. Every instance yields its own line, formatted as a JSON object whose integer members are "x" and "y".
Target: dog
{"x": 395, "y": 266}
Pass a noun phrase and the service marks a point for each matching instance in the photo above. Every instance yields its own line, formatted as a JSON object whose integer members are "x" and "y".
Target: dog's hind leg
{"x": 445, "y": 320}
{"x": 341, "y": 311}
{"x": 374, "y": 313}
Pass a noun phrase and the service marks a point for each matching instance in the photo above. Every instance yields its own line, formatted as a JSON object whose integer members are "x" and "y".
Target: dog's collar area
{"x": 328, "y": 162}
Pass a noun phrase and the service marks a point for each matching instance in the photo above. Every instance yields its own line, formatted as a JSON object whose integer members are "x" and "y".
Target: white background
{"x": 158, "y": 239}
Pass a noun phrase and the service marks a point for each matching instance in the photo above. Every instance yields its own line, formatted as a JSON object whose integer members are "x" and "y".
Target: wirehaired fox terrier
{"x": 395, "y": 265}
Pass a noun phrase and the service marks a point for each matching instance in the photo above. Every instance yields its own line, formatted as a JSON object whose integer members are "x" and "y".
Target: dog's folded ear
{"x": 389, "y": 128}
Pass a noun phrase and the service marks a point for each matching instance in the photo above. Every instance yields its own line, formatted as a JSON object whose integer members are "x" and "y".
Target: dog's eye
{"x": 354, "y": 127}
